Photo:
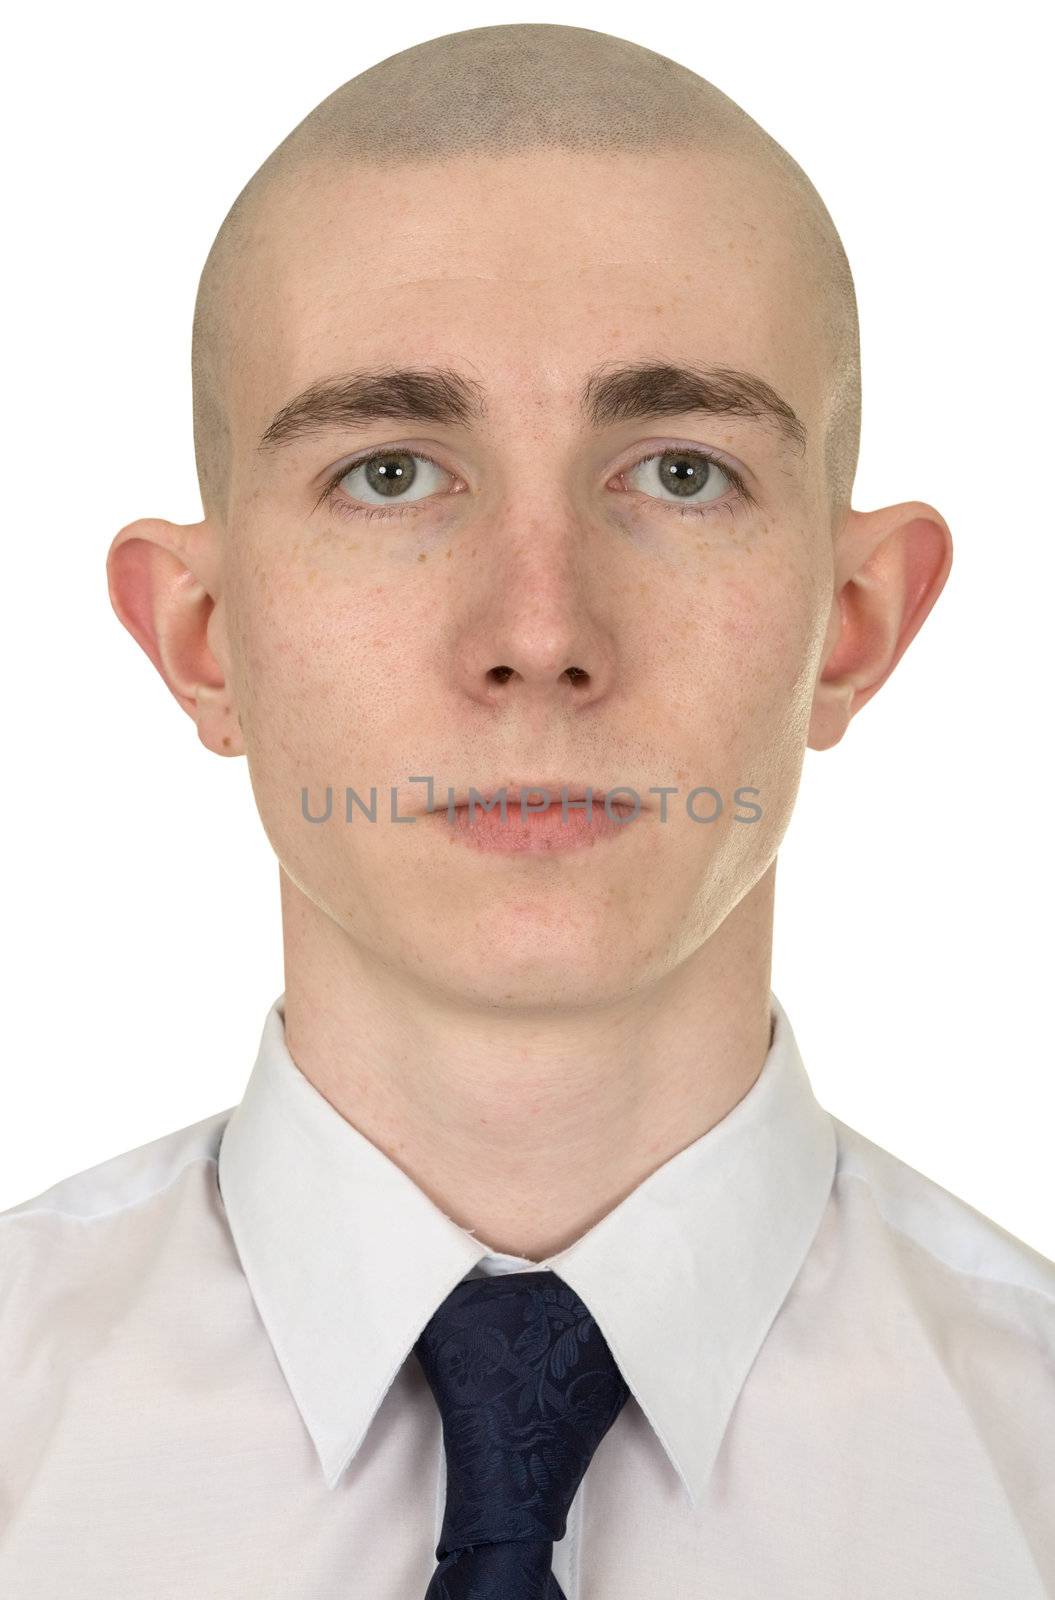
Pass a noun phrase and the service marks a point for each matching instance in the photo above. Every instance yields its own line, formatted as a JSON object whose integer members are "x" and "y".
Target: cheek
{"x": 756, "y": 647}
{"x": 325, "y": 666}
{"x": 762, "y": 633}
{"x": 768, "y": 618}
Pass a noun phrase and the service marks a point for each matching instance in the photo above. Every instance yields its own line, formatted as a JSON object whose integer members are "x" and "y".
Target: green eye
{"x": 687, "y": 475}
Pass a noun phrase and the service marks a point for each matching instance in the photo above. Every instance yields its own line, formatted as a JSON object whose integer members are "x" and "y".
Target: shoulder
{"x": 951, "y": 1254}
{"x": 105, "y": 1278}
{"x": 84, "y": 1231}
{"x": 122, "y": 1182}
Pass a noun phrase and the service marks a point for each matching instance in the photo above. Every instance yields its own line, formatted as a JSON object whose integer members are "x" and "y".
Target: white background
{"x": 913, "y": 940}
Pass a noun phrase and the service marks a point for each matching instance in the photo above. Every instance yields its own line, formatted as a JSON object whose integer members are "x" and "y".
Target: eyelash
{"x": 329, "y": 494}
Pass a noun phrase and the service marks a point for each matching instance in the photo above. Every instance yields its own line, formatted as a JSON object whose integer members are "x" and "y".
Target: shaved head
{"x": 504, "y": 91}
{"x": 526, "y": 410}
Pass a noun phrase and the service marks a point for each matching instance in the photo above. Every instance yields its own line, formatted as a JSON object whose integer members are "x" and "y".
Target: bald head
{"x": 507, "y": 90}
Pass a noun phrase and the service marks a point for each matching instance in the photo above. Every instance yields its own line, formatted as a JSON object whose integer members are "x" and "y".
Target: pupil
{"x": 681, "y": 475}
{"x": 386, "y": 474}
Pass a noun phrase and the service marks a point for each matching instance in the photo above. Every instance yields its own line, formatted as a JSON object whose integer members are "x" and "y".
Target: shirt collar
{"x": 347, "y": 1259}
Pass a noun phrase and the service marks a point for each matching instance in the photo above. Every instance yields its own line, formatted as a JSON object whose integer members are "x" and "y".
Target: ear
{"x": 890, "y": 568}
{"x": 164, "y": 580}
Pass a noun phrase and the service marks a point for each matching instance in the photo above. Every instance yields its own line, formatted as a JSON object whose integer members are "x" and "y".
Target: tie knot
{"x": 527, "y": 1388}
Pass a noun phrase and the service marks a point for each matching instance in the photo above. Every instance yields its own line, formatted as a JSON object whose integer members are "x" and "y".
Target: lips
{"x": 571, "y": 820}
{"x": 555, "y": 791}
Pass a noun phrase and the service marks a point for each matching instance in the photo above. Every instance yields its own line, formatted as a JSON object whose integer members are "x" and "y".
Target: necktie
{"x": 527, "y": 1388}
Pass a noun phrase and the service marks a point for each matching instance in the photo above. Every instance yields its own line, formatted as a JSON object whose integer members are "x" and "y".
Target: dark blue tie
{"x": 527, "y": 1389}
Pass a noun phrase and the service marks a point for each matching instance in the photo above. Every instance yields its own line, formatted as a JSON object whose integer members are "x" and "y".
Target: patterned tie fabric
{"x": 527, "y": 1388}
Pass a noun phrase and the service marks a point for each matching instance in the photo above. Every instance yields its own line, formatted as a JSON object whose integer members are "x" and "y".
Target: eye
{"x": 388, "y": 483}
{"x": 382, "y": 479}
{"x": 694, "y": 479}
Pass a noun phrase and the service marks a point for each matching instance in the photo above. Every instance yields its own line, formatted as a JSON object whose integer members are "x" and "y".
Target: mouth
{"x": 530, "y": 797}
{"x": 541, "y": 817}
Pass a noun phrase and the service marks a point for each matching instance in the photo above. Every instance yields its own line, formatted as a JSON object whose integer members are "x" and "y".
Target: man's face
{"x": 361, "y": 650}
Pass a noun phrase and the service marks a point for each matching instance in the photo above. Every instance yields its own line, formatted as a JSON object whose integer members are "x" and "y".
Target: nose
{"x": 538, "y": 628}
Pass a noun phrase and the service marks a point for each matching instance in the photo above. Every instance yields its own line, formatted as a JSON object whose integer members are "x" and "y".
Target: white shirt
{"x": 842, "y": 1377}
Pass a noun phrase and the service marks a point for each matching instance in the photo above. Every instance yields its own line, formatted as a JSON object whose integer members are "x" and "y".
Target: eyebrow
{"x": 611, "y": 393}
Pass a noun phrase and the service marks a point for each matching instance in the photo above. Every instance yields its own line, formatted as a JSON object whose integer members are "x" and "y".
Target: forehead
{"x": 527, "y": 270}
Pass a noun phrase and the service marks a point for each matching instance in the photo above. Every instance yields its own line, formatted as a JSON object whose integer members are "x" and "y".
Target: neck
{"x": 526, "y": 1128}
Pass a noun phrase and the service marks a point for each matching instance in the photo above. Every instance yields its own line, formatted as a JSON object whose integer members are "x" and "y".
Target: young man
{"x": 527, "y": 404}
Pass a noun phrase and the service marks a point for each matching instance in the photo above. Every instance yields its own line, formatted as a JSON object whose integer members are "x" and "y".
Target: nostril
{"x": 503, "y": 674}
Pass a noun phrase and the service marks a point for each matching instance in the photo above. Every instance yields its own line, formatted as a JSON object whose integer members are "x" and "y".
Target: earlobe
{"x": 157, "y": 576}
{"x": 891, "y": 566}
